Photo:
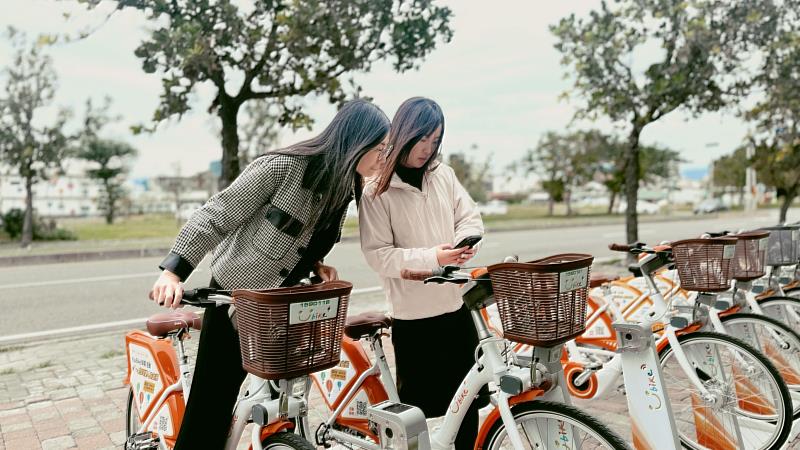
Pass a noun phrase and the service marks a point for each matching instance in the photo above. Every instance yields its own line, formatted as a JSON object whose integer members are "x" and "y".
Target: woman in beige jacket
{"x": 410, "y": 217}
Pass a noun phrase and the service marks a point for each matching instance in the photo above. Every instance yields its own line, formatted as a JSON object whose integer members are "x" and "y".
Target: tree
{"x": 696, "y": 45}
{"x": 563, "y": 161}
{"x": 777, "y": 118}
{"x": 656, "y": 164}
{"x": 33, "y": 149}
{"x": 111, "y": 156}
{"x": 277, "y": 51}
{"x": 472, "y": 174}
{"x": 259, "y": 131}
{"x": 729, "y": 171}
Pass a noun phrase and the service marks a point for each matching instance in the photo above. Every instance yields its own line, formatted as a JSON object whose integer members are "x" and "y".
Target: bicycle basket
{"x": 542, "y": 302}
{"x": 751, "y": 252}
{"x": 705, "y": 265}
{"x": 782, "y": 247}
{"x": 289, "y": 332}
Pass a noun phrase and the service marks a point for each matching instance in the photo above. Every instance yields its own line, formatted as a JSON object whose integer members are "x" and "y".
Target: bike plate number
{"x": 313, "y": 311}
{"x": 573, "y": 279}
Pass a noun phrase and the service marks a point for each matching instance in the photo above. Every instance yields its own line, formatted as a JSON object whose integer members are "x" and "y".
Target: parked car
{"x": 493, "y": 208}
{"x": 710, "y": 205}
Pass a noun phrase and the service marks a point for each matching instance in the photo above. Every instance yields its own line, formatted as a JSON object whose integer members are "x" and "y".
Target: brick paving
{"x": 70, "y": 394}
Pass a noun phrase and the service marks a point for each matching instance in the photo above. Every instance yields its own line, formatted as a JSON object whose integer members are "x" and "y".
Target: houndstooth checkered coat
{"x": 255, "y": 226}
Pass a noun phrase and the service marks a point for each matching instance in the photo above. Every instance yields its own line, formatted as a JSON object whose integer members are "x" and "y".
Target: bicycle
{"x": 284, "y": 334}
{"x": 365, "y": 407}
{"x": 715, "y": 403}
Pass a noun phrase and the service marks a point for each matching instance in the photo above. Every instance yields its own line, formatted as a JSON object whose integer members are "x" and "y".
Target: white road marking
{"x": 109, "y": 326}
{"x": 78, "y": 280}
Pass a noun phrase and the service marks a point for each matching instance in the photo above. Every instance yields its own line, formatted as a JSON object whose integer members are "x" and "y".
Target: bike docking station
{"x": 652, "y": 422}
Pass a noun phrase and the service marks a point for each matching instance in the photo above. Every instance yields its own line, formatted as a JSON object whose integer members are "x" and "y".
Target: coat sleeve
{"x": 377, "y": 242}
{"x": 222, "y": 213}
{"x": 467, "y": 218}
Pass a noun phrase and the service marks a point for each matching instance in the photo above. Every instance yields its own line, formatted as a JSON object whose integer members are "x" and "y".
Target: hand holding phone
{"x": 469, "y": 241}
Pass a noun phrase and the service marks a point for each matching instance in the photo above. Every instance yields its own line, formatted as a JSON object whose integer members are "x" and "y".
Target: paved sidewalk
{"x": 69, "y": 394}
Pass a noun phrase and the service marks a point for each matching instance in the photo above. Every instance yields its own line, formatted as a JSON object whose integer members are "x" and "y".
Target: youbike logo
{"x": 652, "y": 391}
{"x": 562, "y": 439}
{"x": 459, "y": 400}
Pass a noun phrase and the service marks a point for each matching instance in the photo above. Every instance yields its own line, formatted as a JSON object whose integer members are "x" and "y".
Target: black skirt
{"x": 432, "y": 356}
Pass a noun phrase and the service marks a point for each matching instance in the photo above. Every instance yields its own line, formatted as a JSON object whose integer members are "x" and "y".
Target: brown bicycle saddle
{"x": 162, "y": 324}
{"x": 365, "y": 324}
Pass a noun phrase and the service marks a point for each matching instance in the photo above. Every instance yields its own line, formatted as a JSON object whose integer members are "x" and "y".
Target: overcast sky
{"x": 498, "y": 82}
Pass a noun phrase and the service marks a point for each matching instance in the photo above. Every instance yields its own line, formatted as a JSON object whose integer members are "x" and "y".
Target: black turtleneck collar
{"x": 410, "y": 175}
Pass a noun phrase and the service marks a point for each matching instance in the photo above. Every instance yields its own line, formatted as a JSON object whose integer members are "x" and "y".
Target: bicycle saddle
{"x": 162, "y": 324}
{"x": 599, "y": 279}
{"x": 365, "y": 324}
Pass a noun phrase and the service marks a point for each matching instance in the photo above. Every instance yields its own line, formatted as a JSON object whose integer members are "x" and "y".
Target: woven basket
{"x": 751, "y": 253}
{"x": 705, "y": 265}
{"x": 289, "y": 332}
{"x": 782, "y": 248}
{"x": 542, "y": 302}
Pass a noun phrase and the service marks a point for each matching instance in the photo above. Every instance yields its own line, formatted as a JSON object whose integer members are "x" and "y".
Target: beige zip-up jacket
{"x": 400, "y": 230}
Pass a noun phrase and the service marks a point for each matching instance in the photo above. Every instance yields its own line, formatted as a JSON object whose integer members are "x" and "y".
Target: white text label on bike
{"x": 313, "y": 311}
{"x": 573, "y": 279}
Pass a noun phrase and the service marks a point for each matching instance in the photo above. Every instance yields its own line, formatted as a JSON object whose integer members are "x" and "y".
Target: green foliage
{"x": 472, "y": 174}
{"x": 34, "y": 151}
{"x": 730, "y": 170}
{"x": 12, "y": 222}
{"x": 277, "y": 51}
{"x": 110, "y": 159}
{"x": 42, "y": 230}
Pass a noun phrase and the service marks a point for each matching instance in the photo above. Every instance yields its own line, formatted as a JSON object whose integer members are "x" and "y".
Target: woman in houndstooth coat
{"x": 270, "y": 228}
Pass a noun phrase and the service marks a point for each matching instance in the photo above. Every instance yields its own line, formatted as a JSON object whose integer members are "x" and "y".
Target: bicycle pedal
{"x": 142, "y": 441}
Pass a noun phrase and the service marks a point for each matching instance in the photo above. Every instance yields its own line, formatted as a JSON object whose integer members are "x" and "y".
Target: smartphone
{"x": 469, "y": 241}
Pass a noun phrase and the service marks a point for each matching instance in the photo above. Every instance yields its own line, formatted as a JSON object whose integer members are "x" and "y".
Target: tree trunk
{"x": 550, "y": 203}
{"x": 568, "y": 201}
{"x": 27, "y": 224}
{"x": 611, "y": 202}
{"x": 787, "y": 203}
{"x": 228, "y": 113}
{"x": 632, "y": 188}
{"x": 109, "y": 203}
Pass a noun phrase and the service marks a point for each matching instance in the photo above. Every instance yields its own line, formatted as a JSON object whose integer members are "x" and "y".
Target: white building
{"x": 69, "y": 194}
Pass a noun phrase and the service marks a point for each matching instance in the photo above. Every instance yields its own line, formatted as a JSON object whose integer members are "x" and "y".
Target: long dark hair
{"x": 334, "y": 154}
{"x": 416, "y": 118}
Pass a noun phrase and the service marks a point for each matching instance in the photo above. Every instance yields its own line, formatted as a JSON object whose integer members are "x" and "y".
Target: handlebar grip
{"x": 416, "y": 275}
{"x": 619, "y": 247}
{"x": 190, "y": 295}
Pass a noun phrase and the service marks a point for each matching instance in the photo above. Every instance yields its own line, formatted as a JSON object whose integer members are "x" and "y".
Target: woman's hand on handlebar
{"x": 168, "y": 290}
{"x": 326, "y": 273}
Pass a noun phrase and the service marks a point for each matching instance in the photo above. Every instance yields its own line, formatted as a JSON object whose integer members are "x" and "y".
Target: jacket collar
{"x": 398, "y": 183}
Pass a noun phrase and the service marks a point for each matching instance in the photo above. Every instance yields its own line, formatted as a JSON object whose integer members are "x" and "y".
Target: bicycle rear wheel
{"x": 776, "y": 341}
{"x": 543, "y": 424}
{"x": 749, "y": 406}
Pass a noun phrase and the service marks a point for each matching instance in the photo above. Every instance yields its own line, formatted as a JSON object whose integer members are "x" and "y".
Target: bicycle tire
{"x": 286, "y": 439}
{"x": 131, "y": 413}
{"x": 787, "y": 361}
{"x": 770, "y": 302}
{"x": 783, "y": 411}
{"x": 553, "y": 411}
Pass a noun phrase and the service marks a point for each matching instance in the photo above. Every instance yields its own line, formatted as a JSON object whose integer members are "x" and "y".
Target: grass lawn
{"x": 132, "y": 227}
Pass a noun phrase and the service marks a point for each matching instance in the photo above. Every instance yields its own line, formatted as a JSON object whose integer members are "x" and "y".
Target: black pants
{"x": 218, "y": 374}
{"x": 433, "y": 355}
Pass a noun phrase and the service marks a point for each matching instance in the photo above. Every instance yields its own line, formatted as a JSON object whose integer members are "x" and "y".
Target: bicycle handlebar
{"x": 621, "y": 247}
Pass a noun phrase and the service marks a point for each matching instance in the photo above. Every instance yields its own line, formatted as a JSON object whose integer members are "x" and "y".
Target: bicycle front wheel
{"x": 776, "y": 341}
{"x": 286, "y": 441}
{"x": 782, "y": 309}
{"x": 748, "y": 406}
{"x": 543, "y": 424}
